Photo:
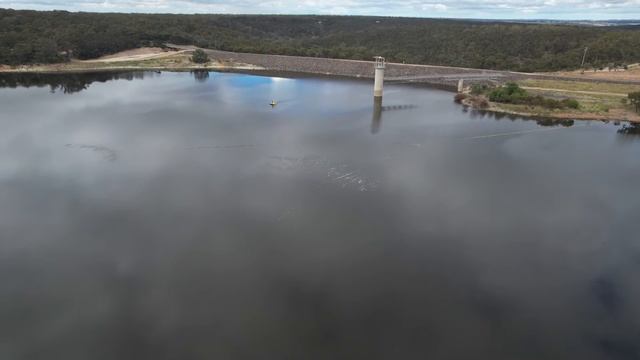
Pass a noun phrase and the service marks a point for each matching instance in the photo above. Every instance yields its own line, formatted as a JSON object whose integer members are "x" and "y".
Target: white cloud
{"x": 436, "y": 7}
{"x": 558, "y": 9}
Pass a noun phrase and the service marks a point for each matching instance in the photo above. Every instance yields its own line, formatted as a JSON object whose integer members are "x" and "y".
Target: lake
{"x": 180, "y": 216}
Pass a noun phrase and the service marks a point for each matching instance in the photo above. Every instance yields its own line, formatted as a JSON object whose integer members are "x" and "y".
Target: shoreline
{"x": 53, "y": 69}
{"x": 495, "y": 108}
{"x": 178, "y": 60}
{"x": 578, "y": 117}
{"x": 440, "y": 77}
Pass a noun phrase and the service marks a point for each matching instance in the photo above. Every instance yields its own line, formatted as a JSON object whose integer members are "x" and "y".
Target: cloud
{"x": 505, "y": 9}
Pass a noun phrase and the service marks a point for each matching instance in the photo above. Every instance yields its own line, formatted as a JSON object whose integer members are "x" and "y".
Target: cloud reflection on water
{"x": 221, "y": 230}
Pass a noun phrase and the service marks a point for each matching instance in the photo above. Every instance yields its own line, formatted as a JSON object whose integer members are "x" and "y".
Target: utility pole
{"x": 584, "y": 56}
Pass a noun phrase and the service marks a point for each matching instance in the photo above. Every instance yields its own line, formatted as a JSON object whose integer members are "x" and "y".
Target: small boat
{"x": 273, "y": 103}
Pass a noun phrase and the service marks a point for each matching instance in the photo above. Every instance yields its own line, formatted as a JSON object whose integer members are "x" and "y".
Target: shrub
{"x": 513, "y": 94}
{"x": 478, "y": 102}
{"x": 634, "y": 99}
{"x": 200, "y": 57}
{"x": 482, "y": 103}
{"x": 459, "y": 97}
{"x": 570, "y": 103}
{"x": 478, "y": 89}
{"x": 510, "y": 93}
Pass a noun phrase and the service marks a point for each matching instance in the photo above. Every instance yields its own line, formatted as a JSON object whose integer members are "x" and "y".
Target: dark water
{"x": 175, "y": 216}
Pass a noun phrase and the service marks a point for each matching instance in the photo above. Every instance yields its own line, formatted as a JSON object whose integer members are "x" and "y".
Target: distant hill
{"x": 44, "y": 37}
{"x": 622, "y": 23}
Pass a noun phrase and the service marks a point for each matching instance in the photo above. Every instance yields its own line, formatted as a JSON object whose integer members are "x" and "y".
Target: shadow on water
{"x": 376, "y": 120}
{"x": 541, "y": 121}
{"x": 67, "y": 83}
{"x": 630, "y": 129}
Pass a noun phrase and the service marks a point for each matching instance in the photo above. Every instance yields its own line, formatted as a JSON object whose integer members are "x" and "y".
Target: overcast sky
{"x": 494, "y": 9}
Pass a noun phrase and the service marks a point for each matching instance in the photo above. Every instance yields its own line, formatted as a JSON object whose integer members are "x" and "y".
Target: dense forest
{"x": 54, "y": 36}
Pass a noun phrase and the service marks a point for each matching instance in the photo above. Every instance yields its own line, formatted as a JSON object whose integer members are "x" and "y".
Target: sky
{"x": 485, "y": 9}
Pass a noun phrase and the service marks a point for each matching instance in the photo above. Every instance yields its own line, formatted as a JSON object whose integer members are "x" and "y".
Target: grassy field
{"x": 631, "y": 73}
{"x": 597, "y": 100}
{"x": 622, "y": 89}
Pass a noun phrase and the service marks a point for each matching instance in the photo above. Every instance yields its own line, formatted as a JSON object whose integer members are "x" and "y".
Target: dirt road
{"x": 145, "y": 53}
{"x": 575, "y": 91}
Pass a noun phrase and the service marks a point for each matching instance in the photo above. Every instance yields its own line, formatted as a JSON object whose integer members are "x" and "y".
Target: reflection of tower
{"x": 376, "y": 120}
{"x": 379, "y": 77}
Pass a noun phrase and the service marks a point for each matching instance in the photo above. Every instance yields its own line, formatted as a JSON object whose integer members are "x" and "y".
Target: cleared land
{"x": 138, "y": 59}
{"x": 145, "y": 53}
{"x": 630, "y": 74}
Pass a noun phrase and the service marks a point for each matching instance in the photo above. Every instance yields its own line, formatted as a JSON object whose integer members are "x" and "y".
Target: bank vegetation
{"x": 557, "y": 99}
{"x": 29, "y": 37}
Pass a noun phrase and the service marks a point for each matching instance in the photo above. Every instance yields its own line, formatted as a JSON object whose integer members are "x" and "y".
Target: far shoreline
{"x": 296, "y": 67}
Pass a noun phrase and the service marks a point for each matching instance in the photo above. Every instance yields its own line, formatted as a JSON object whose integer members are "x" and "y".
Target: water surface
{"x": 179, "y": 216}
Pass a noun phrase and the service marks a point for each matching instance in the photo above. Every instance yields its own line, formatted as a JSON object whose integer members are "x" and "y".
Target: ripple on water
{"x": 343, "y": 175}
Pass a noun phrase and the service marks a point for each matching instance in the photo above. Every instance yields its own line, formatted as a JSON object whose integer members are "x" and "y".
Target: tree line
{"x": 65, "y": 83}
{"x": 53, "y": 36}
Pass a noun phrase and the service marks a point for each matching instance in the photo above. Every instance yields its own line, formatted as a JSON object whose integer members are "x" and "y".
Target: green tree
{"x": 200, "y": 57}
{"x": 634, "y": 99}
{"x": 46, "y": 51}
{"x": 510, "y": 93}
{"x": 495, "y": 45}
